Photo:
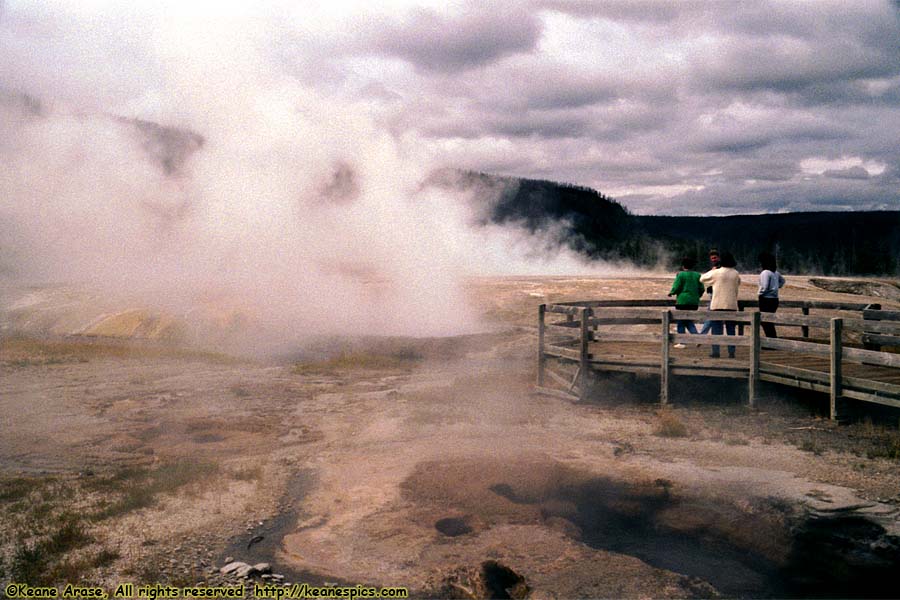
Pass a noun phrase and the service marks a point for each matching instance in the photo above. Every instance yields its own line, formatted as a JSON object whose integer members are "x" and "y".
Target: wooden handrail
{"x": 583, "y": 318}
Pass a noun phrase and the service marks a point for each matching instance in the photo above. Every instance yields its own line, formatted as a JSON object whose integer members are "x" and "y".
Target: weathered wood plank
{"x": 683, "y": 371}
{"x": 882, "y": 315}
{"x": 835, "y": 383}
{"x": 557, "y": 377}
{"x": 690, "y": 339}
{"x": 585, "y": 356}
{"x": 792, "y": 371}
{"x": 872, "y": 385}
{"x": 881, "y": 340}
{"x": 807, "y": 347}
{"x": 823, "y": 305}
{"x": 873, "y": 357}
{"x": 629, "y": 368}
{"x": 664, "y": 358}
{"x": 797, "y": 383}
{"x": 795, "y": 320}
{"x": 562, "y": 341}
{"x": 596, "y": 321}
{"x": 628, "y": 313}
{"x": 713, "y": 315}
{"x": 710, "y": 363}
{"x": 562, "y": 353}
{"x": 746, "y": 303}
{"x": 885, "y": 327}
{"x": 566, "y": 324}
{"x": 638, "y": 361}
{"x": 753, "y": 379}
{"x": 622, "y": 336}
{"x": 563, "y": 309}
{"x": 620, "y": 303}
{"x": 541, "y": 359}
{"x": 875, "y": 398}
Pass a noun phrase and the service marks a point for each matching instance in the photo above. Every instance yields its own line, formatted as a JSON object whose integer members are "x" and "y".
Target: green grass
{"x": 51, "y": 543}
{"x": 40, "y": 562}
{"x": 17, "y": 488}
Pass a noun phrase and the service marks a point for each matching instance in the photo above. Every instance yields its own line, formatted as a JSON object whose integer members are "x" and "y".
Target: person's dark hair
{"x": 688, "y": 262}
{"x": 728, "y": 260}
{"x": 714, "y": 252}
{"x": 767, "y": 261}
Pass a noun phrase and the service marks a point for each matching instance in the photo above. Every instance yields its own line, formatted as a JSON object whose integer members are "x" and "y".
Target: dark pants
{"x": 683, "y": 324}
{"x": 768, "y": 305}
{"x": 717, "y": 330}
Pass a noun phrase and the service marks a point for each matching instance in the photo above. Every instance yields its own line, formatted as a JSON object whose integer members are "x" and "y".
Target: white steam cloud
{"x": 169, "y": 155}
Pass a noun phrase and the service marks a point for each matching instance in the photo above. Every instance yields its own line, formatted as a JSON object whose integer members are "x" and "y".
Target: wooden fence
{"x": 845, "y": 359}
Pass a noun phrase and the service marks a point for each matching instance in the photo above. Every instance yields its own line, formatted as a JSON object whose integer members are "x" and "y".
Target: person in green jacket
{"x": 687, "y": 290}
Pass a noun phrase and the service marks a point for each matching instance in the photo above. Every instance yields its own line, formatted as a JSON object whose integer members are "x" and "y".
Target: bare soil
{"x": 432, "y": 464}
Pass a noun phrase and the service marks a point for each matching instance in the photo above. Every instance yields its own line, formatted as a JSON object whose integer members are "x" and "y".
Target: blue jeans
{"x": 680, "y": 326}
{"x": 683, "y": 324}
{"x": 716, "y": 327}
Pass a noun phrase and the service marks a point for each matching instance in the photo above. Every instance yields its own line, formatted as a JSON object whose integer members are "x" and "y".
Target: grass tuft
{"x": 669, "y": 425}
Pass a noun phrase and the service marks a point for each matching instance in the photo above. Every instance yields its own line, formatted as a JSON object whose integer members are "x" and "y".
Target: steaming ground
{"x": 408, "y": 461}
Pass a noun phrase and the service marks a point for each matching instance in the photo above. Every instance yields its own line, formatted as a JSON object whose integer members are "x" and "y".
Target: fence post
{"x": 586, "y": 314}
{"x": 741, "y": 324}
{"x": 542, "y": 310}
{"x": 837, "y": 326}
{"x": 664, "y": 362}
{"x": 753, "y": 383}
{"x": 805, "y": 328}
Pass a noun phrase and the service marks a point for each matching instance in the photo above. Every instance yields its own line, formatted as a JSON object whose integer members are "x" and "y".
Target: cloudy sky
{"x": 670, "y": 107}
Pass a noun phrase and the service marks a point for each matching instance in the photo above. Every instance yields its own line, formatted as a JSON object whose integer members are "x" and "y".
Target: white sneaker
{"x": 679, "y": 346}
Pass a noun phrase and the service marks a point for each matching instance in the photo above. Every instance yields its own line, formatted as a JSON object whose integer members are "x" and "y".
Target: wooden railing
{"x": 575, "y": 339}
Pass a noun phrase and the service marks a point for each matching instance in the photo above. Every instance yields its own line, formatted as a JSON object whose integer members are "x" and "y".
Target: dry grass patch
{"x": 669, "y": 425}
{"x": 20, "y": 351}
{"x": 49, "y": 536}
{"x": 350, "y": 361}
{"x": 138, "y": 488}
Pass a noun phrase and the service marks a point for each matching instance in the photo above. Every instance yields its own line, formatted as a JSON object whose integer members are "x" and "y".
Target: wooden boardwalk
{"x": 842, "y": 351}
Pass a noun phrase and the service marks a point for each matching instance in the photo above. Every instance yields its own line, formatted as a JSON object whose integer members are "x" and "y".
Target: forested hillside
{"x": 830, "y": 243}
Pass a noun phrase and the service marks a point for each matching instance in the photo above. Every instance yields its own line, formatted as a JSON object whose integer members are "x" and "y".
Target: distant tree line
{"x": 828, "y": 243}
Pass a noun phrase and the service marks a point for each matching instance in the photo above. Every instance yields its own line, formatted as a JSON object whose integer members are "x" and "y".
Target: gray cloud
{"x": 479, "y": 34}
{"x": 654, "y": 11}
{"x": 688, "y": 107}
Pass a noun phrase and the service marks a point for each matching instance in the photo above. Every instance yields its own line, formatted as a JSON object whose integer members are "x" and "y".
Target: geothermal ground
{"x": 431, "y": 464}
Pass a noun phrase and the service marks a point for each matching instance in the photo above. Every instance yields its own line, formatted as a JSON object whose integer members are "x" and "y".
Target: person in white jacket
{"x": 725, "y": 282}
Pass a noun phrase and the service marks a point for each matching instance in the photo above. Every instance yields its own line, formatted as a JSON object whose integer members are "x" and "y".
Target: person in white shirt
{"x": 725, "y": 282}
{"x": 770, "y": 281}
